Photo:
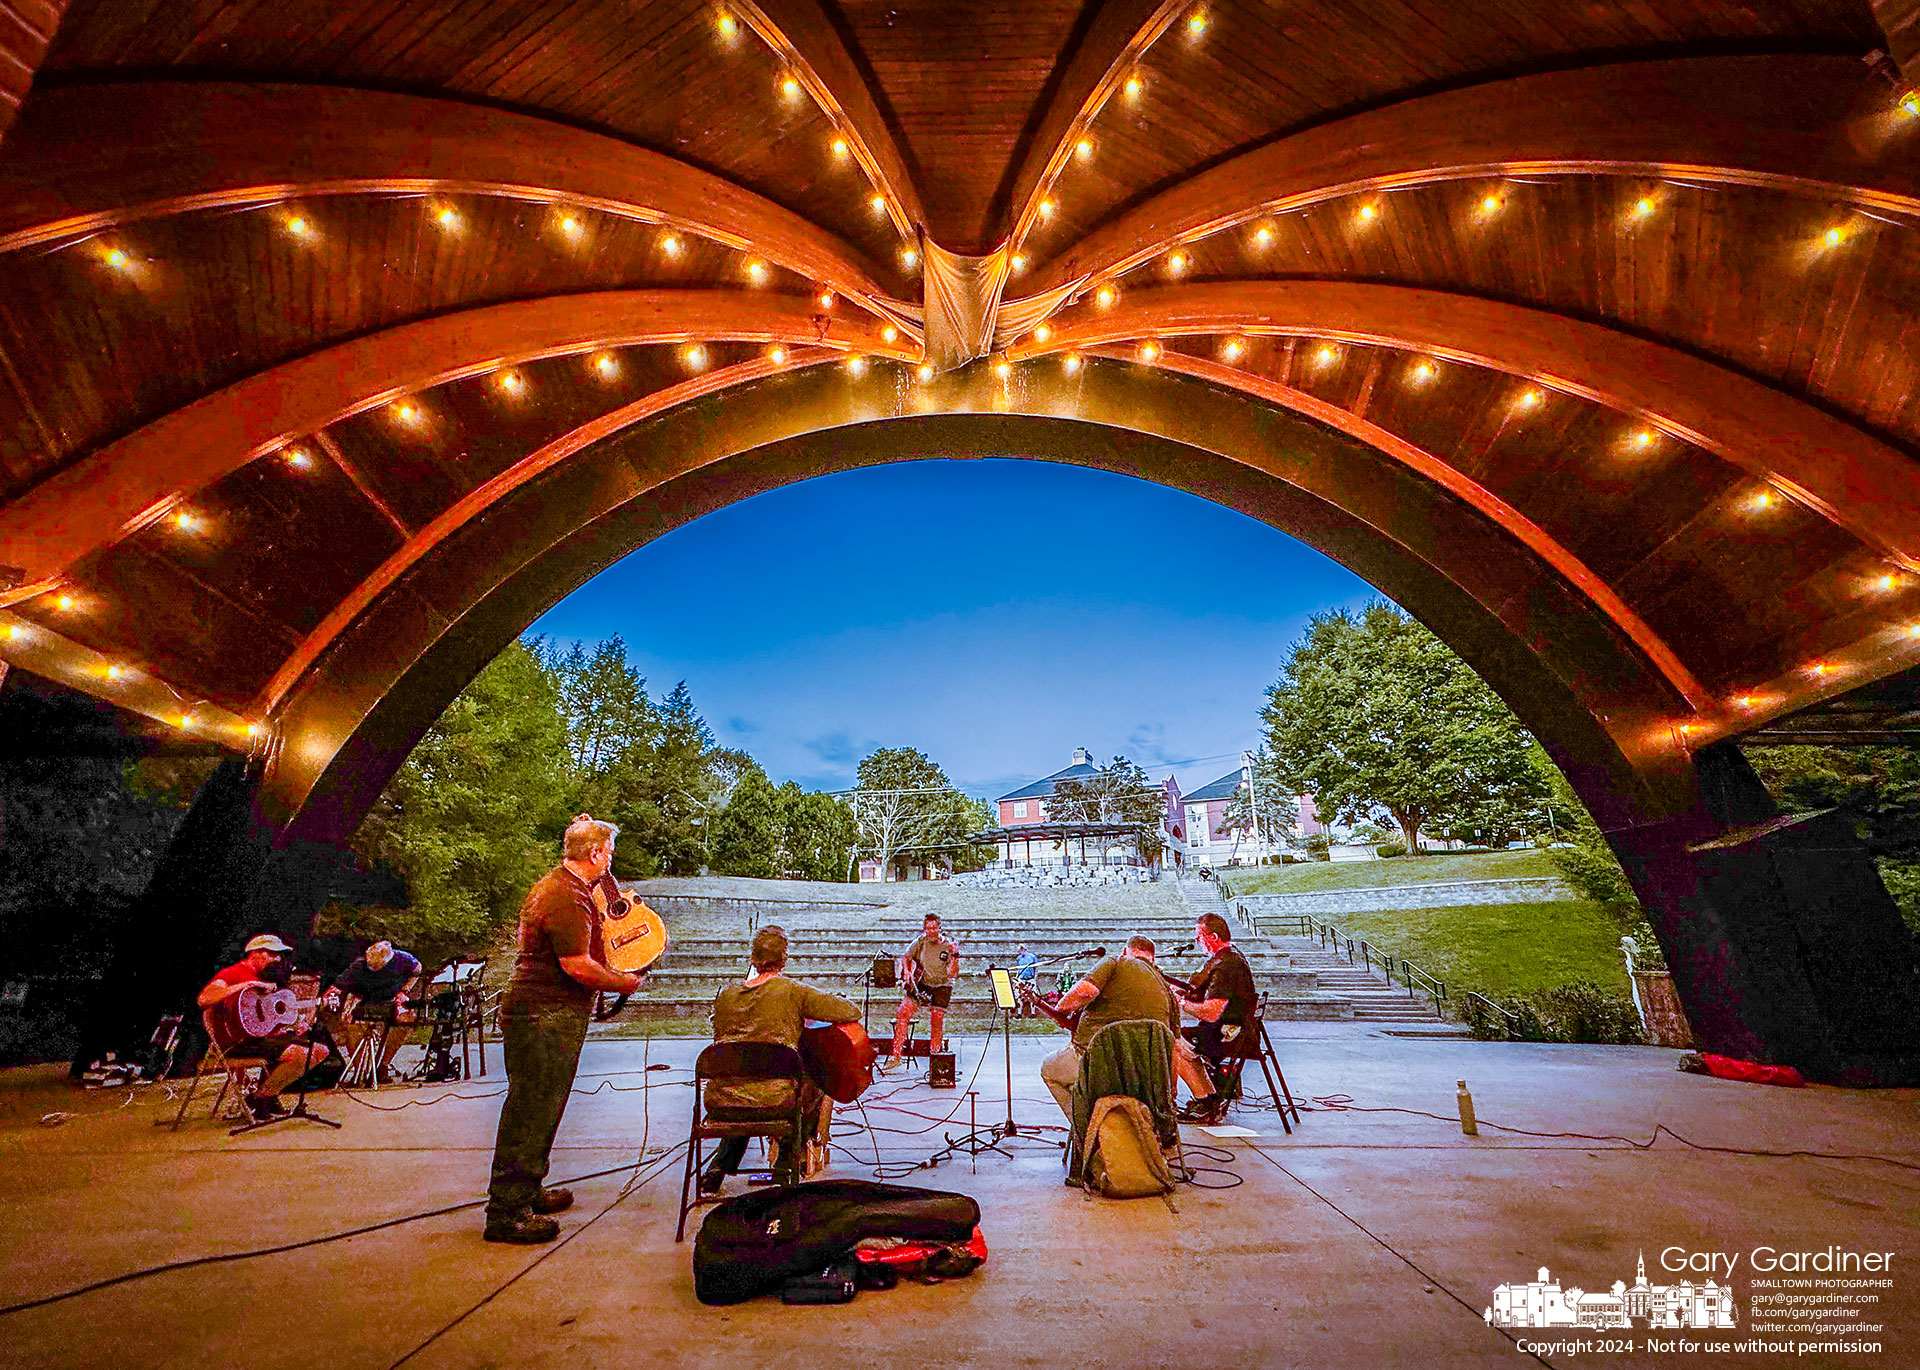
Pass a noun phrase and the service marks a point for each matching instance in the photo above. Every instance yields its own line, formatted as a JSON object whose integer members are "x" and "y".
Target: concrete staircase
{"x": 1373, "y": 998}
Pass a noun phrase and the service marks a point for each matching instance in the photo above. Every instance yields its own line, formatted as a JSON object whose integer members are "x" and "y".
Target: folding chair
{"x": 1109, "y": 1067}
{"x": 1255, "y": 1045}
{"x": 238, "y": 1078}
{"x": 737, "y": 1062}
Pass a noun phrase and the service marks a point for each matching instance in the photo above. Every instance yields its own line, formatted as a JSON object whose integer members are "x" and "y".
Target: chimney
{"x": 1081, "y": 757}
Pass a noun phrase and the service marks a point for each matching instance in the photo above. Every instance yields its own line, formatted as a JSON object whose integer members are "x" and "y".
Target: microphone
{"x": 1095, "y": 952}
{"x": 1180, "y": 950}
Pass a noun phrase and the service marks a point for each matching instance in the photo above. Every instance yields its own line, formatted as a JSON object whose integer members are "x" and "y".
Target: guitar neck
{"x": 1069, "y": 1021}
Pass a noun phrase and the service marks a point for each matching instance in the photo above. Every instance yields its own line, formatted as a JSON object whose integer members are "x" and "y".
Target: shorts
{"x": 268, "y": 1048}
{"x": 933, "y": 996}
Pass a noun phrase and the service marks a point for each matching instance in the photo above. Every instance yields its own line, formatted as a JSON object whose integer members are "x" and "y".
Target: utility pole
{"x": 1253, "y": 810}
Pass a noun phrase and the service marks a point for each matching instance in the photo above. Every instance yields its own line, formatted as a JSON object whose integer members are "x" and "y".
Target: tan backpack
{"x": 1124, "y": 1160}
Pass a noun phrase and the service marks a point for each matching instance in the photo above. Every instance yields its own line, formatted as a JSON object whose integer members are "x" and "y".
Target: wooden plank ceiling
{"x": 169, "y": 289}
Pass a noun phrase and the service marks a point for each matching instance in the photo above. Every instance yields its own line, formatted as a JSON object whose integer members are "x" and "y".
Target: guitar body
{"x": 839, "y": 1058}
{"x": 1045, "y": 1003}
{"x": 254, "y": 1012}
{"x": 633, "y": 935}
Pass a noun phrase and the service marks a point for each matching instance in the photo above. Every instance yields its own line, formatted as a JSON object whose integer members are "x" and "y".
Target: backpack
{"x": 1124, "y": 1160}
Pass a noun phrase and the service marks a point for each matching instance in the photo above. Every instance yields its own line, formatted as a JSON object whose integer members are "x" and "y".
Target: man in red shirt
{"x": 288, "y": 1057}
{"x": 560, "y": 967}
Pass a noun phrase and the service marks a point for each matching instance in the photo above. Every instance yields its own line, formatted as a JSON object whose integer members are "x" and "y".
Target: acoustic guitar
{"x": 1045, "y": 1003}
{"x": 256, "y": 1011}
{"x": 633, "y": 937}
{"x": 839, "y": 1059}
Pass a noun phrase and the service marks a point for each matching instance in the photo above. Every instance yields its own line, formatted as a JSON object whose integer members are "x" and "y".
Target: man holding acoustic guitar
{"x": 927, "y": 971}
{"x": 768, "y": 1007}
{"x": 561, "y": 966}
{"x": 1119, "y": 989}
{"x": 288, "y": 1056}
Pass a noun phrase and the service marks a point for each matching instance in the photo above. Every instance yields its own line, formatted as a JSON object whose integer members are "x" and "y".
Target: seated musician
{"x": 768, "y": 1007}
{"x": 288, "y": 1056}
{"x": 1118, "y": 989}
{"x": 368, "y": 993}
{"x": 1222, "y": 1003}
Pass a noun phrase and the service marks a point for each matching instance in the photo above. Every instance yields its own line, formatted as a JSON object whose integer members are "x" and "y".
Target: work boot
{"x": 711, "y": 1180}
{"x": 524, "y": 1228}
{"x": 264, "y": 1106}
{"x": 1209, "y": 1108}
{"x": 553, "y": 1201}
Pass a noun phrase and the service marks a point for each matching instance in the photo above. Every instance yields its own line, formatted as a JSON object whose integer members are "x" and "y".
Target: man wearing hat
{"x": 288, "y": 1057}
{"x": 368, "y": 993}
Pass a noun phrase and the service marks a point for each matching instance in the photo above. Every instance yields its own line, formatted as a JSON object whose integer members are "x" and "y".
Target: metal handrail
{"x": 1366, "y": 953}
{"x": 1510, "y": 1017}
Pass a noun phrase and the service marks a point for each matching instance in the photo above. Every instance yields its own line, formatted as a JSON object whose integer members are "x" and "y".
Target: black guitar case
{"x": 754, "y": 1244}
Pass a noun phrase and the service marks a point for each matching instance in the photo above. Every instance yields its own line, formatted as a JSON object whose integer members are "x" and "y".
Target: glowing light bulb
{"x": 1490, "y": 204}
{"x": 185, "y": 521}
{"x": 607, "y": 366}
{"x": 790, "y": 87}
{"x": 1325, "y": 355}
{"x": 116, "y": 258}
{"x": 878, "y": 204}
{"x": 1133, "y": 87}
{"x": 1047, "y": 208}
{"x": 924, "y": 371}
{"x": 1910, "y": 102}
{"x": 777, "y": 354}
{"x": 1263, "y": 236}
{"x": 1177, "y": 262}
{"x": 909, "y": 257}
{"x": 757, "y": 272}
{"x": 1149, "y": 351}
{"x": 890, "y": 333}
{"x": 1835, "y": 237}
{"x": 511, "y": 382}
{"x": 113, "y": 672}
{"x": 183, "y": 721}
{"x": 1083, "y": 149}
{"x": 841, "y": 148}
{"x": 448, "y": 218}
{"x": 1071, "y": 363}
{"x": 696, "y": 357}
{"x": 572, "y": 227}
{"x": 299, "y": 227}
{"x": 1529, "y": 399}
{"x": 1913, "y": 630}
{"x": 1886, "y": 583}
{"x": 1422, "y": 372}
{"x": 1233, "y": 349}
{"x": 63, "y": 603}
{"x": 1763, "y": 500}
{"x": 1041, "y": 332}
{"x": 1104, "y": 297}
{"x": 826, "y": 299}
{"x": 1196, "y": 23}
{"x": 1002, "y": 368}
{"x": 1019, "y": 261}
{"x": 1368, "y": 214}
{"x": 1819, "y": 668}
{"x": 729, "y": 26}
{"x": 857, "y": 366}
{"x": 670, "y": 244}
{"x": 406, "y": 412}
{"x": 298, "y": 459}
{"x": 1642, "y": 207}
{"x": 253, "y": 730}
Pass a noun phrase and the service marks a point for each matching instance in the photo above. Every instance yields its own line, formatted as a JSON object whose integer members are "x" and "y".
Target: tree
{"x": 667, "y": 791}
{"x": 817, "y": 832}
{"x": 1278, "y": 812}
{"x": 746, "y": 836}
{"x": 605, "y": 703}
{"x": 472, "y": 817}
{"x": 1118, "y": 792}
{"x": 1877, "y": 787}
{"x": 905, "y": 808}
{"x": 1373, "y": 712}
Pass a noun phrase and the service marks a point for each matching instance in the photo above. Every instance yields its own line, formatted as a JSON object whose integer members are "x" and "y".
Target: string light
{"x": 1910, "y": 102}
{"x": 448, "y": 218}
{"x": 606, "y": 365}
{"x": 1325, "y": 355}
{"x": 909, "y": 257}
{"x": 878, "y": 204}
{"x": 1084, "y": 149}
{"x": 1233, "y": 349}
{"x": 1422, "y": 372}
{"x": 1149, "y": 351}
{"x": 63, "y": 603}
{"x": 1002, "y": 368}
{"x": 117, "y": 259}
{"x": 728, "y": 25}
{"x": 1835, "y": 237}
{"x": 1177, "y": 262}
{"x": 1104, "y": 297}
{"x": 890, "y": 333}
{"x": 670, "y": 244}
{"x": 826, "y": 299}
{"x": 1196, "y": 24}
{"x": 572, "y": 227}
{"x": 1019, "y": 261}
{"x": 857, "y": 365}
{"x": 695, "y": 357}
{"x": 924, "y": 371}
{"x": 511, "y": 382}
{"x": 1263, "y": 236}
{"x": 1071, "y": 363}
{"x": 1133, "y": 88}
{"x": 790, "y": 86}
{"x": 1368, "y": 213}
{"x": 841, "y": 149}
{"x": 1762, "y": 500}
{"x": 298, "y": 227}
{"x": 1529, "y": 399}
{"x": 1046, "y": 208}
{"x": 185, "y": 521}
{"x": 298, "y": 459}
{"x": 757, "y": 272}
{"x": 777, "y": 354}
{"x": 1041, "y": 332}
{"x": 1642, "y": 207}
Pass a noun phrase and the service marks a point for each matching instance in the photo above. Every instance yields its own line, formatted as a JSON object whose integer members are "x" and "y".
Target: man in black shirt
{"x": 1223, "y": 1001}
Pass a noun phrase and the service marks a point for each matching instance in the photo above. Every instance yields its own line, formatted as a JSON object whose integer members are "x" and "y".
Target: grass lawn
{"x": 1503, "y": 950}
{"x": 1401, "y": 870}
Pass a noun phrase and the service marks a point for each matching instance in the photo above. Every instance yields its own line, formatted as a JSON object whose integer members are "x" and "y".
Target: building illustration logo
{"x": 1543, "y": 1303}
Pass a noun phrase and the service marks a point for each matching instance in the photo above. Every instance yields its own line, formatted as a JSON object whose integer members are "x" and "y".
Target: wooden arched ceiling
{"x": 293, "y": 295}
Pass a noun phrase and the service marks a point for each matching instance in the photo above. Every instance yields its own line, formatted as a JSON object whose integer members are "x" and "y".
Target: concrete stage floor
{"x": 1365, "y": 1239}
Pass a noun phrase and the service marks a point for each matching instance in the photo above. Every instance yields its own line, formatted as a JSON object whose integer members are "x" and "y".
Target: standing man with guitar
{"x": 288, "y": 1057}
{"x": 927, "y": 971}
{"x": 560, "y": 967}
{"x": 768, "y": 1007}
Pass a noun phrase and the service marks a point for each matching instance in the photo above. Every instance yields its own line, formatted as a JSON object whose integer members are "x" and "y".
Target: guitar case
{"x": 755, "y": 1244}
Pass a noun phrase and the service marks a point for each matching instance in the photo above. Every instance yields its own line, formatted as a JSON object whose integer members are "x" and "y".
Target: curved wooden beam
{"x": 1845, "y": 474}
{"x": 1496, "y": 510}
{"x": 805, "y": 38}
{"x": 1824, "y": 126}
{"x": 90, "y": 158}
{"x": 129, "y": 483}
{"x": 1120, "y": 33}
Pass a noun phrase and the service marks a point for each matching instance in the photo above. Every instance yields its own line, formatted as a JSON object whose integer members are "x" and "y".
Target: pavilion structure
{"x": 340, "y": 339}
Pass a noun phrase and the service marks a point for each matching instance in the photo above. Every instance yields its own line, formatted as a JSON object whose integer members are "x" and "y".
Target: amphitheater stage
{"x": 1364, "y": 1239}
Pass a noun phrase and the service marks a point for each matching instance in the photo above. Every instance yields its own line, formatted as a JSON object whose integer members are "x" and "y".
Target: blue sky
{"x": 994, "y": 614}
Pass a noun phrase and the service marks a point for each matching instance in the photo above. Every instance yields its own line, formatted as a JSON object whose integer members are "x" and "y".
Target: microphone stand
{"x": 1001, "y": 1131}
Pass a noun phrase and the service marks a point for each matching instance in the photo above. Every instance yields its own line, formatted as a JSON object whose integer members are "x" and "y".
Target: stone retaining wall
{"x": 750, "y": 912}
{"x": 1442, "y": 895}
{"x": 1048, "y": 877}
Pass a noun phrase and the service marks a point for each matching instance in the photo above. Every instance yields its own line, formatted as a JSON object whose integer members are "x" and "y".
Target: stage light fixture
{"x": 878, "y": 204}
{"x": 1002, "y": 368}
{"x": 1071, "y": 363}
{"x": 1105, "y": 296}
{"x": 670, "y": 244}
{"x": 1197, "y": 24}
{"x": 1177, "y": 262}
{"x": 826, "y": 299}
{"x": 856, "y": 366}
{"x": 1133, "y": 88}
{"x": 777, "y": 354}
{"x": 695, "y": 357}
{"x": 298, "y": 459}
{"x": 909, "y": 257}
{"x": 1084, "y": 149}
{"x": 757, "y": 272}
{"x": 924, "y": 371}
{"x": 448, "y": 218}
{"x": 841, "y": 149}
{"x": 1047, "y": 208}
{"x": 1019, "y": 261}
{"x": 1422, "y": 372}
{"x": 1042, "y": 332}
{"x": 1149, "y": 351}
{"x": 1233, "y": 349}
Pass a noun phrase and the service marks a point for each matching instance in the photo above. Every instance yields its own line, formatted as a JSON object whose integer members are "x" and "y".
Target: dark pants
{"x": 543, "y": 1044}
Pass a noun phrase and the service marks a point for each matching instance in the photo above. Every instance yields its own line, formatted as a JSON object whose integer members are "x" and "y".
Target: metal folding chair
{"x": 237, "y": 1078}
{"x": 1257, "y": 1046}
{"x": 738, "y": 1062}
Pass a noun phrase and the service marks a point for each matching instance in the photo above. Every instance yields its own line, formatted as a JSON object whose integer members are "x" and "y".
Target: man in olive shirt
{"x": 1223, "y": 1000}
{"x": 560, "y": 967}
{"x": 929, "y": 965}
{"x": 1119, "y": 989}
{"x": 767, "y": 1007}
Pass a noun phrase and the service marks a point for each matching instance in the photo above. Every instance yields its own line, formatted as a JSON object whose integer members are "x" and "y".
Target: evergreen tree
{"x": 817, "y": 833}
{"x": 746, "y": 836}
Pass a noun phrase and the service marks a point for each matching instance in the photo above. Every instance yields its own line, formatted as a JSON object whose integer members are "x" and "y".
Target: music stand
{"x": 1004, "y": 1001}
